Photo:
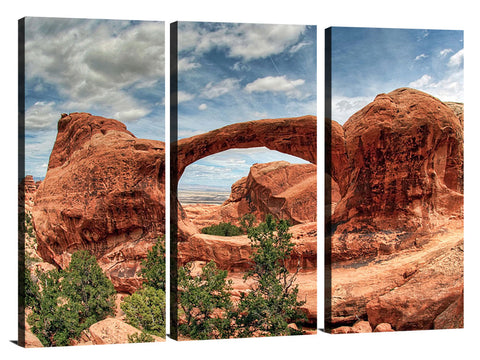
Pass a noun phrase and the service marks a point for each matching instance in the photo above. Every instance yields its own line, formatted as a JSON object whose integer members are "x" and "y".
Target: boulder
{"x": 113, "y": 331}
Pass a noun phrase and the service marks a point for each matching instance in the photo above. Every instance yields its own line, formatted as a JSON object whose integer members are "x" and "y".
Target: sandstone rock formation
{"x": 233, "y": 253}
{"x": 294, "y": 136}
{"x": 395, "y": 175}
{"x": 113, "y": 331}
{"x": 287, "y": 191}
{"x": 399, "y": 167}
{"x": 104, "y": 192}
{"x": 26, "y": 193}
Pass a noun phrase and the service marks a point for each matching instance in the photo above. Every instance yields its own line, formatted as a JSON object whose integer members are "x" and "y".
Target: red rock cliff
{"x": 399, "y": 167}
{"x": 104, "y": 192}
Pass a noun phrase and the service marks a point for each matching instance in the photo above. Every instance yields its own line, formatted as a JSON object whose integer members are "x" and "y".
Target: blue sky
{"x": 109, "y": 68}
{"x": 230, "y": 73}
{"x": 370, "y": 61}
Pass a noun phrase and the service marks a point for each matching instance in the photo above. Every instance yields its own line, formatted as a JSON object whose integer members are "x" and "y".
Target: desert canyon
{"x": 105, "y": 192}
{"x": 394, "y": 208}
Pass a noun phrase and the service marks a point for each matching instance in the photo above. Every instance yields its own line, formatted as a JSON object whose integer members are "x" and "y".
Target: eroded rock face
{"x": 104, "y": 191}
{"x": 402, "y": 170}
{"x": 420, "y": 303}
{"x": 233, "y": 253}
{"x": 396, "y": 170}
{"x": 287, "y": 191}
{"x": 294, "y": 136}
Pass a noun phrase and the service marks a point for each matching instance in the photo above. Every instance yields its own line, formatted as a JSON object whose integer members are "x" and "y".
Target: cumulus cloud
{"x": 420, "y": 57}
{"x": 183, "y": 96}
{"x": 421, "y": 82}
{"x": 94, "y": 63}
{"x": 343, "y": 107}
{"x": 246, "y": 41}
{"x": 276, "y": 84}
{"x": 298, "y": 46}
{"x": 449, "y": 88}
{"x": 213, "y": 90}
{"x": 187, "y": 63}
{"x": 456, "y": 59}
{"x": 445, "y": 52}
{"x": 42, "y": 115}
{"x": 203, "y": 107}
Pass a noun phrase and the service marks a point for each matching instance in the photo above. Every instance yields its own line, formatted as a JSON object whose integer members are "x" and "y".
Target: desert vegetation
{"x": 269, "y": 308}
{"x": 63, "y": 303}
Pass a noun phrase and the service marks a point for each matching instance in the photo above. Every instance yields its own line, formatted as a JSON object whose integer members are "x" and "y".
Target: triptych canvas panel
{"x": 243, "y": 181}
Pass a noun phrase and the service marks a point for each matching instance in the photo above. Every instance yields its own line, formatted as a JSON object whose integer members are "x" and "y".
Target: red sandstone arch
{"x": 293, "y": 136}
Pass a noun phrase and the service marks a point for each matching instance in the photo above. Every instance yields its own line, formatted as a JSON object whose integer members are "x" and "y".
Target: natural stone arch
{"x": 293, "y": 136}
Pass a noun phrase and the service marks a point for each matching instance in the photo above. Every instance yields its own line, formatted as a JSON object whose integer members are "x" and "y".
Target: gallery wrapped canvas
{"x": 243, "y": 177}
{"x": 92, "y": 182}
{"x": 394, "y": 179}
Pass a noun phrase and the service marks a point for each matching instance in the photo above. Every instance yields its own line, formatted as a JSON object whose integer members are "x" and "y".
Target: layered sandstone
{"x": 294, "y": 136}
{"x": 396, "y": 214}
{"x": 104, "y": 192}
{"x": 287, "y": 191}
{"x": 399, "y": 167}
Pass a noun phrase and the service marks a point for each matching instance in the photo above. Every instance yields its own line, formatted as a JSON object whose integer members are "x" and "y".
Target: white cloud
{"x": 247, "y": 41}
{"x": 203, "y": 107}
{"x": 425, "y": 80}
{"x": 456, "y": 59}
{"x": 42, "y": 115}
{"x": 298, "y": 46}
{"x": 184, "y": 96}
{"x": 445, "y": 52}
{"x": 187, "y": 63}
{"x": 240, "y": 66}
{"x": 276, "y": 84}
{"x": 450, "y": 88}
{"x": 213, "y": 90}
{"x": 421, "y": 56}
{"x": 92, "y": 63}
{"x": 343, "y": 107}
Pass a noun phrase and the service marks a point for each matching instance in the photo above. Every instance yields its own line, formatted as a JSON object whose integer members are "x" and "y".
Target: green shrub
{"x": 145, "y": 309}
{"x": 223, "y": 229}
{"x": 204, "y": 299}
{"x": 153, "y": 267}
{"x": 266, "y": 310}
{"x": 66, "y": 302}
{"x": 140, "y": 338}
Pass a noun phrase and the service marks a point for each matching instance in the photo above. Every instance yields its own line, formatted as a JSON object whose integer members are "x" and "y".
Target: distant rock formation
{"x": 26, "y": 192}
{"x": 287, "y": 191}
{"x": 104, "y": 191}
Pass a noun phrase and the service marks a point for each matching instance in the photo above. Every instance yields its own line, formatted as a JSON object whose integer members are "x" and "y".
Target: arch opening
{"x": 209, "y": 180}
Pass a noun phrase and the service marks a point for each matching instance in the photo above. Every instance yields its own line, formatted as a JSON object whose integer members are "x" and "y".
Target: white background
{"x": 439, "y": 344}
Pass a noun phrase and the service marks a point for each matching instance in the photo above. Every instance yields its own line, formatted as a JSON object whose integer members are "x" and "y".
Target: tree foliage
{"x": 272, "y": 303}
{"x": 222, "y": 229}
{"x": 66, "y": 302}
{"x": 204, "y": 299}
{"x": 86, "y": 284}
{"x": 140, "y": 338}
{"x": 266, "y": 310}
{"x": 153, "y": 267}
{"x": 145, "y": 309}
